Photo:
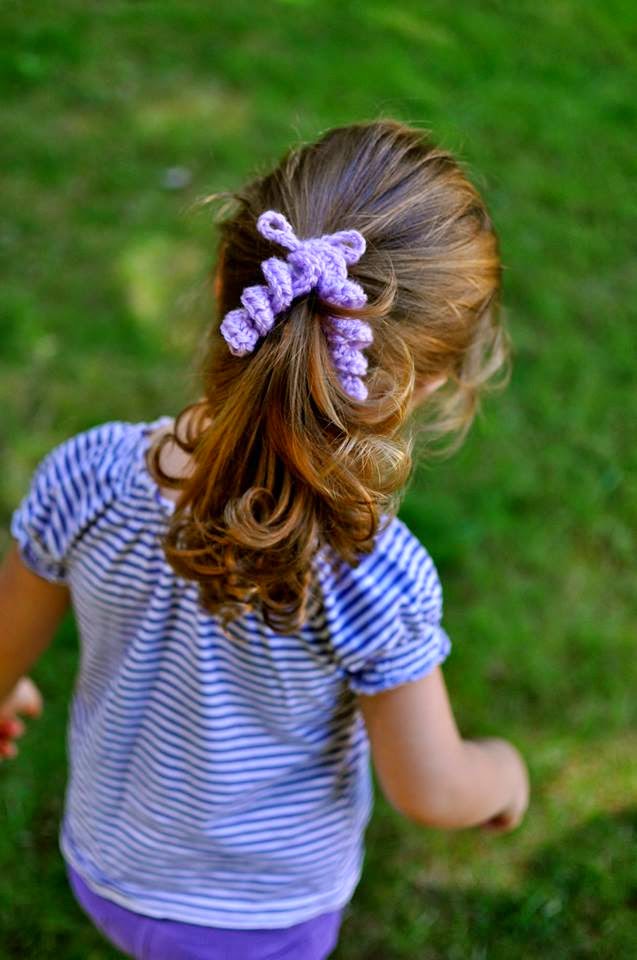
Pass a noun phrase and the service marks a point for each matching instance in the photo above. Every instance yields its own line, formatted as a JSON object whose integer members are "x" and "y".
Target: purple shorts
{"x": 150, "y": 938}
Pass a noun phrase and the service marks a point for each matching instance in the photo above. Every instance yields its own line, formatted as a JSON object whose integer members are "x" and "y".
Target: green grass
{"x": 104, "y": 300}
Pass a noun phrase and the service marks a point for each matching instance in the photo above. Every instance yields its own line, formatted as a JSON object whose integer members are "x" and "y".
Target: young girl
{"x": 253, "y": 616}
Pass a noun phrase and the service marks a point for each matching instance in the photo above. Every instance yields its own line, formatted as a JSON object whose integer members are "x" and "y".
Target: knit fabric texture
{"x": 317, "y": 263}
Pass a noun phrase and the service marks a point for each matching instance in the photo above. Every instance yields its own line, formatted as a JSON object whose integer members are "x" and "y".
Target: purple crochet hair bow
{"x": 319, "y": 262}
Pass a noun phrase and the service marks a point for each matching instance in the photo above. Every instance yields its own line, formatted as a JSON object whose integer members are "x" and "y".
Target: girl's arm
{"x": 429, "y": 773}
{"x": 31, "y": 609}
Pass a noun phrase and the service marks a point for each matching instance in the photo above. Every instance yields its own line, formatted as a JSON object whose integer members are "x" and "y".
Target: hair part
{"x": 284, "y": 461}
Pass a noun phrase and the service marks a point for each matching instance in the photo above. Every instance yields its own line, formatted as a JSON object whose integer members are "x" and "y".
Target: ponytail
{"x": 284, "y": 460}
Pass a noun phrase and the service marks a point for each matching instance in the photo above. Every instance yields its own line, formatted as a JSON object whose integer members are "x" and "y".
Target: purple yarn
{"x": 321, "y": 263}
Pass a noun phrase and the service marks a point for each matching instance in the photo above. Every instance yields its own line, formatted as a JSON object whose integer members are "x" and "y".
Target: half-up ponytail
{"x": 283, "y": 461}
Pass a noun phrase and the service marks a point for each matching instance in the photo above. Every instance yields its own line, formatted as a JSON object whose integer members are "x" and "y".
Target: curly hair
{"x": 283, "y": 460}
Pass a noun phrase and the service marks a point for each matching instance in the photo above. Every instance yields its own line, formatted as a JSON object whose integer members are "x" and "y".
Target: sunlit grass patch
{"x": 192, "y": 111}
{"x": 161, "y": 278}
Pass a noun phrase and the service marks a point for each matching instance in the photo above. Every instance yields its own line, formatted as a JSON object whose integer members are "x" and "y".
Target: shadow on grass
{"x": 579, "y": 900}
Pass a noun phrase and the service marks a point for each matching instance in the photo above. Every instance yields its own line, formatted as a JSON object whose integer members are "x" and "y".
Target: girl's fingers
{"x": 8, "y": 730}
{"x": 32, "y": 705}
{"x": 11, "y": 728}
{"x": 24, "y": 698}
{"x": 33, "y": 702}
{"x": 498, "y": 824}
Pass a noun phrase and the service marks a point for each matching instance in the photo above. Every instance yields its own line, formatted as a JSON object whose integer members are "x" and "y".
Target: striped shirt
{"x": 219, "y": 778}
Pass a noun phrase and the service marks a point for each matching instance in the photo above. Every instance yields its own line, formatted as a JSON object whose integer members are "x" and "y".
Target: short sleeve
{"x": 65, "y": 493}
{"x": 41, "y": 524}
{"x": 387, "y": 619}
{"x": 71, "y": 490}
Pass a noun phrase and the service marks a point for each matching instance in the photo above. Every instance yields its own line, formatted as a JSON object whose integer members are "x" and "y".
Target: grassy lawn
{"x": 104, "y": 300}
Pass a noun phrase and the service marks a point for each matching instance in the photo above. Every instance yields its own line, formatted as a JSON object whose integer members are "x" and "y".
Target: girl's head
{"x": 284, "y": 460}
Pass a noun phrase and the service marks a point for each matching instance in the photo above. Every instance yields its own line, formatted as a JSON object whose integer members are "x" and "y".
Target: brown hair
{"x": 283, "y": 461}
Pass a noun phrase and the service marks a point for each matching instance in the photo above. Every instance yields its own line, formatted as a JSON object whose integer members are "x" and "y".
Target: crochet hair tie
{"x": 317, "y": 263}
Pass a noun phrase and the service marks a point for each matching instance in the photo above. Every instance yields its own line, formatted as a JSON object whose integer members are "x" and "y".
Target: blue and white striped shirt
{"x": 214, "y": 778}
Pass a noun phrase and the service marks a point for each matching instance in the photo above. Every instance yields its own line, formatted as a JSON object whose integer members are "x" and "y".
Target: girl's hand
{"x": 24, "y": 698}
{"x": 514, "y": 775}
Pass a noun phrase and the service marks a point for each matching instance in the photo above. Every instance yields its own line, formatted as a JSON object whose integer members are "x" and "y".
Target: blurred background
{"x": 115, "y": 119}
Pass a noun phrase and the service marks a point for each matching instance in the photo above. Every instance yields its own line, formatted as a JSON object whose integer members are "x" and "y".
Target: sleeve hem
{"x": 396, "y": 679}
{"x": 45, "y": 568}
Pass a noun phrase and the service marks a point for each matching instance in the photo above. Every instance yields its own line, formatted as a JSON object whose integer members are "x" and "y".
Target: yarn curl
{"x": 316, "y": 263}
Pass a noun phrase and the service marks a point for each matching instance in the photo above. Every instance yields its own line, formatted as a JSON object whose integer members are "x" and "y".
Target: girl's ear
{"x": 423, "y": 390}
{"x": 434, "y": 385}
